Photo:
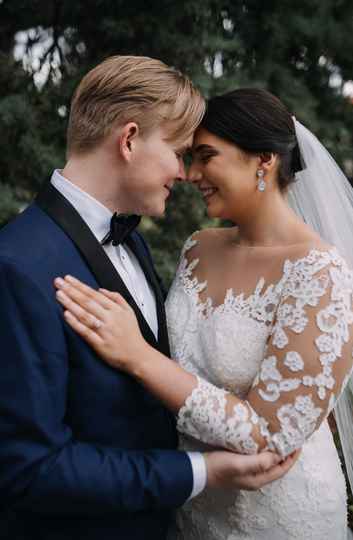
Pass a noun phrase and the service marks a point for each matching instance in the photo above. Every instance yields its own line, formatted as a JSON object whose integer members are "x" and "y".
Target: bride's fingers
{"x": 89, "y": 292}
{"x": 89, "y": 335}
{"x": 279, "y": 470}
{"x": 92, "y": 303}
{"x": 115, "y": 297}
{"x": 265, "y": 461}
{"x": 92, "y": 318}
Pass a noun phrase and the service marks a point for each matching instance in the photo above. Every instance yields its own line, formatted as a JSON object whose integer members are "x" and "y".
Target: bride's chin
{"x": 212, "y": 215}
{"x": 212, "y": 211}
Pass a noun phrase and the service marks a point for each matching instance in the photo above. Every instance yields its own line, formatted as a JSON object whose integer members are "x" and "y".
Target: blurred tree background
{"x": 301, "y": 51}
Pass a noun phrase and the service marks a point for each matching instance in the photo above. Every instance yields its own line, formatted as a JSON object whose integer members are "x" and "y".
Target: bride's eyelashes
{"x": 204, "y": 153}
{"x": 206, "y": 156}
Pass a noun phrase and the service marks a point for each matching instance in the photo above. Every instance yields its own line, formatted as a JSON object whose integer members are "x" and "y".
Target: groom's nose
{"x": 182, "y": 171}
{"x": 194, "y": 174}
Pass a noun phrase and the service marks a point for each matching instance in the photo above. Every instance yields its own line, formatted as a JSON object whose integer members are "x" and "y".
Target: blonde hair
{"x": 132, "y": 88}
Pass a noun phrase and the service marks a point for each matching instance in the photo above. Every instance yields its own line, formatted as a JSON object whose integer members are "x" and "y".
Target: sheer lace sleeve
{"x": 308, "y": 361}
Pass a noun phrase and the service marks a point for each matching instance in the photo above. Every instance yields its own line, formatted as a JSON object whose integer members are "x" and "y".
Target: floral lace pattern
{"x": 320, "y": 280}
{"x": 285, "y": 351}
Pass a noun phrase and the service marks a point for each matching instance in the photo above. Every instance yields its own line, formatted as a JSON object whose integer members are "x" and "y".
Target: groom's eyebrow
{"x": 185, "y": 149}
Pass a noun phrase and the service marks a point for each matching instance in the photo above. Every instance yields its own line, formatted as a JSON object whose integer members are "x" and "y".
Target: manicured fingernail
{"x": 60, "y": 294}
{"x": 69, "y": 278}
{"x": 59, "y": 282}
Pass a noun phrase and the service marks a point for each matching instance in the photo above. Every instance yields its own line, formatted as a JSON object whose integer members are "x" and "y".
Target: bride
{"x": 260, "y": 320}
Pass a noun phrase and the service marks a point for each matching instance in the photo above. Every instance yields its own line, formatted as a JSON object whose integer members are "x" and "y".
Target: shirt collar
{"x": 95, "y": 214}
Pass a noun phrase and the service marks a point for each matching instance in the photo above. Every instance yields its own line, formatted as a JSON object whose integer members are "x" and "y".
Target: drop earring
{"x": 261, "y": 184}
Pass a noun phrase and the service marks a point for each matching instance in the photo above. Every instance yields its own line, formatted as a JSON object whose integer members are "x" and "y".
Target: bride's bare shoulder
{"x": 313, "y": 241}
{"x": 211, "y": 237}
{"x": 205, "y": 241}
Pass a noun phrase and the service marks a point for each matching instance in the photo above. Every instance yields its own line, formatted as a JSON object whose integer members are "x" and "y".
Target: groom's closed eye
{"x": 184, "y": 153}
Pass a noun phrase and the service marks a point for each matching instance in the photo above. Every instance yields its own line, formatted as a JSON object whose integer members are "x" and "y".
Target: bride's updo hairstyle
{"x": 258, "y": 123}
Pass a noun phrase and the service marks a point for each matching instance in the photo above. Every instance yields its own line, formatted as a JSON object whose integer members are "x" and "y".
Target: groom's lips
{"x": 169, "y": 188}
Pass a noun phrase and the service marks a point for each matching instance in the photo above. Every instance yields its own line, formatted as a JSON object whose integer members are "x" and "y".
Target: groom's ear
{"x": 127, "y": 140}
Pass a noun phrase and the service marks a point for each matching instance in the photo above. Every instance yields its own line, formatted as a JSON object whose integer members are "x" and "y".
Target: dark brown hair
{"x": 257, "y": 122}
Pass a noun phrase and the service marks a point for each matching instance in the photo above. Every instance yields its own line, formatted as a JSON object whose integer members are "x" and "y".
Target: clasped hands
{"x": 108, "y": 323}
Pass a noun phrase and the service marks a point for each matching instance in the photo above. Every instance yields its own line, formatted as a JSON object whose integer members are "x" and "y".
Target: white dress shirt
{"x": 98, "y": 217}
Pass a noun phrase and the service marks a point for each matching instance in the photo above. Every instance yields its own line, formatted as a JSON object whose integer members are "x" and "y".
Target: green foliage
{"x": 296, "y": 50}
{"x": 10, "y": 205}
{"x": 30, "y": 148}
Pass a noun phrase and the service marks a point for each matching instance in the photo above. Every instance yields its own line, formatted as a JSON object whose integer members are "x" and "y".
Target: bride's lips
{"x": 208, "y": 192}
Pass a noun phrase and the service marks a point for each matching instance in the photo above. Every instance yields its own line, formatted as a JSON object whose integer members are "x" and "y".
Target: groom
{"x": 85, "y": 452}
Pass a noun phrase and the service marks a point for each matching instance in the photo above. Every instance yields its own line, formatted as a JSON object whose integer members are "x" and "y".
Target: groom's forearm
{"x": 83, "y": 479}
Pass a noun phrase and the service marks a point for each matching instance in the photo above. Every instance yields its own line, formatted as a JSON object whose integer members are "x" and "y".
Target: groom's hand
{"x": 229, "y": 470}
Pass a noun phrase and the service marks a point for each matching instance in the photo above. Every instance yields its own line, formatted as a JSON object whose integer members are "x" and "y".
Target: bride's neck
{"x": 272, "y": 223}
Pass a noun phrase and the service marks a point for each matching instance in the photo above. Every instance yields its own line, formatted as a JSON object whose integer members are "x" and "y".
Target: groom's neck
{"x": 97, "y": 176}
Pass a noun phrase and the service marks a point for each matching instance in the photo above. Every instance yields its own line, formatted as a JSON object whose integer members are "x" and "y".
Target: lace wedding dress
{"x": 275, "y": 331}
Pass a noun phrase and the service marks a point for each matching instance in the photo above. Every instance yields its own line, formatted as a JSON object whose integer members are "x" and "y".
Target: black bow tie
{"x": 120, "y": 228}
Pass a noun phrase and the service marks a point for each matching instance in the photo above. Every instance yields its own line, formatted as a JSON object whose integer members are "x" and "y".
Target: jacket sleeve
{"x": 43, "y": 467}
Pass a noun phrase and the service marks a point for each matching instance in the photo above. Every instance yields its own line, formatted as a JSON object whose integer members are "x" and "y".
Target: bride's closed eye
{"x": 204, "y": 153}
{"x": 206, "y": 156}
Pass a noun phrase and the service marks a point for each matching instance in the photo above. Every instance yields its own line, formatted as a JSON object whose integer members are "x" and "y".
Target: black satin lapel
{"x": 51, "y": 201}
{"x": 160, "y": 301}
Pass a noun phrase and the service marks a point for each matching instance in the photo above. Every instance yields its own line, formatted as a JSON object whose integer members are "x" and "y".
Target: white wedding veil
{"x": 323, "y": 198}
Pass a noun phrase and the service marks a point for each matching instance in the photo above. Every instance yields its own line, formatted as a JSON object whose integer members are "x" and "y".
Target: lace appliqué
{"x": 203, "y": 417}
{"x": 333, "y": 321}
{"x": 227, "y": 348}
{"x": 304, "y": 283}
{"x": 259, "y": 306}
{"x": 205, "y": 406}
{"x": 297, "y": 421}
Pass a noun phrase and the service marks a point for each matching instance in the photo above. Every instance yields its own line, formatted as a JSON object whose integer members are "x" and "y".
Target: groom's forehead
{"x": 172, "y": 133}
{"x": 186, "y": 144}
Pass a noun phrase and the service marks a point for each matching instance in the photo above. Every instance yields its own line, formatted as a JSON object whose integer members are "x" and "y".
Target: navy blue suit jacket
{"x": 85, "y": 452}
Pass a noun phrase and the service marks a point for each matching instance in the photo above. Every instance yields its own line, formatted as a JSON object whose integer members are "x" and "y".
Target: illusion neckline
{"x": 206, "y": 307}
{"x": 272, "y": 246}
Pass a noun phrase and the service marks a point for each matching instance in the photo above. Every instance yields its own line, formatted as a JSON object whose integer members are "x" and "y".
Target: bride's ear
{"x": 127, "y": 140}
{"x": 268, "y": 162}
